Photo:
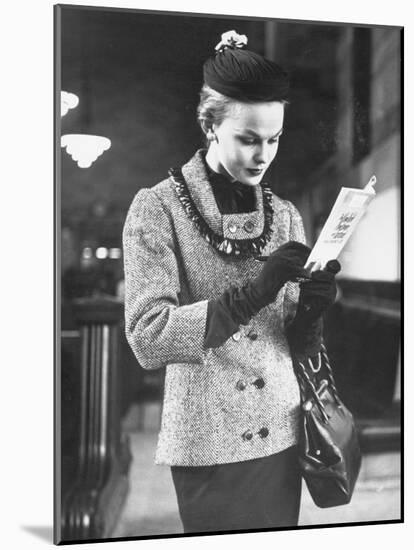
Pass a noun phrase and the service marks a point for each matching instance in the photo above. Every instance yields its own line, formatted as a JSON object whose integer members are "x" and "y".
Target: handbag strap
{"x": 330, "y": 374}
{"x": 305, "y": 381}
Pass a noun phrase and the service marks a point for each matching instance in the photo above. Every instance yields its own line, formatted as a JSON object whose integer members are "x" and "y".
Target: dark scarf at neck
{"x": 231, "y": 196}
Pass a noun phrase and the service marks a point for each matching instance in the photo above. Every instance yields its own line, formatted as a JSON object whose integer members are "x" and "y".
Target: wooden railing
{"x": 91, "y": 504}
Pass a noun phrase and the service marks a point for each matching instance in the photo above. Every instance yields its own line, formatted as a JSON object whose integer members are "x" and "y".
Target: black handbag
{"x": 330, "y": 455}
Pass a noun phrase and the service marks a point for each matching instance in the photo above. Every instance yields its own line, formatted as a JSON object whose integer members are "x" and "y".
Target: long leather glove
{"x": 283, "y": 265}
{"x": 316, "y": 296}
{"x": 238, "y": 305}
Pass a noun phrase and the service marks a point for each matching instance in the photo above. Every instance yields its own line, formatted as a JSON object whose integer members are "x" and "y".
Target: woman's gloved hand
{"x": 283, "y": 265}
{"x": 237, "y": 306}
{"x": 318, "y": 294}
{"x": 305, "y": 332}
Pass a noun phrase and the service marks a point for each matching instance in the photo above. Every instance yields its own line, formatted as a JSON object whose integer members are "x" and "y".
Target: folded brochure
{"x": 349, "y": 207}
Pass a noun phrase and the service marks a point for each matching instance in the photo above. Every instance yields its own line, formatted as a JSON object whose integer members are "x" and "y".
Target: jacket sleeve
{"x": 296, "y": 233}
{"x": 158, "y": 329}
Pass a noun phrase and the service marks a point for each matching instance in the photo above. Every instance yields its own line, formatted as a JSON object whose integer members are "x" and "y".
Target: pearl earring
{"x": 211, "y": 136}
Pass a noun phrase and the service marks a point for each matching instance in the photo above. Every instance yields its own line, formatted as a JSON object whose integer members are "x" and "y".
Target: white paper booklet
{"x": 349, "y": 207}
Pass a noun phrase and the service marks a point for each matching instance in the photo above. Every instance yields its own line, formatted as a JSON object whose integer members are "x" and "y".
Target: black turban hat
{"x": 245, "y": 76}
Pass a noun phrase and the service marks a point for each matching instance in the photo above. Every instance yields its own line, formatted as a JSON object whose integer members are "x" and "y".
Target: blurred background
{"x": 137, "y": 76}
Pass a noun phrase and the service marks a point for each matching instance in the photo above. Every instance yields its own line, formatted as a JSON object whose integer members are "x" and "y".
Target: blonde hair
{"x": 213, "y": 108}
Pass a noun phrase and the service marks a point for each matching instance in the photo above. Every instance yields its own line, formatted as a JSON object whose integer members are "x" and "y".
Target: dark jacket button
{"x": 247, "y": 436}
{"x": 259, "y": 383}
{"x": 263, "y": 432}
{"x": 241, "y": 385}
{"x": 252, "y": 335}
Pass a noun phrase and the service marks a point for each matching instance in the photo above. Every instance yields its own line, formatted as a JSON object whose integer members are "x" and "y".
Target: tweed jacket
{"x": 228, "y": 404}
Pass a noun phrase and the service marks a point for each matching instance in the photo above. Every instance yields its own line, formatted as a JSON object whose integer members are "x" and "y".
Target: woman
{"x": 199, "y": 303}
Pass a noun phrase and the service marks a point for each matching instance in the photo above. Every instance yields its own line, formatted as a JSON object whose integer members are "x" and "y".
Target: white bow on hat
{"x": 231, "y": 39}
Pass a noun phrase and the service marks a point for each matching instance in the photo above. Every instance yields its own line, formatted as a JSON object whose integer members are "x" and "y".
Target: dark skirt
{"x": 254, "y": 494}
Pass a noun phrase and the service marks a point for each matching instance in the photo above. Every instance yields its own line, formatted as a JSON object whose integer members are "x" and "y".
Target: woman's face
{"x": 247, "y": 141}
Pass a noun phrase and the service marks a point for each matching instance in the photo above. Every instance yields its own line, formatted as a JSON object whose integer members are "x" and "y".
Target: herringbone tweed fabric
{"x": 170, "y": 273}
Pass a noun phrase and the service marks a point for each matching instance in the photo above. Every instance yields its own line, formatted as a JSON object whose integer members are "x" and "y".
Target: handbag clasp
{"x": 316, "y": 399}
